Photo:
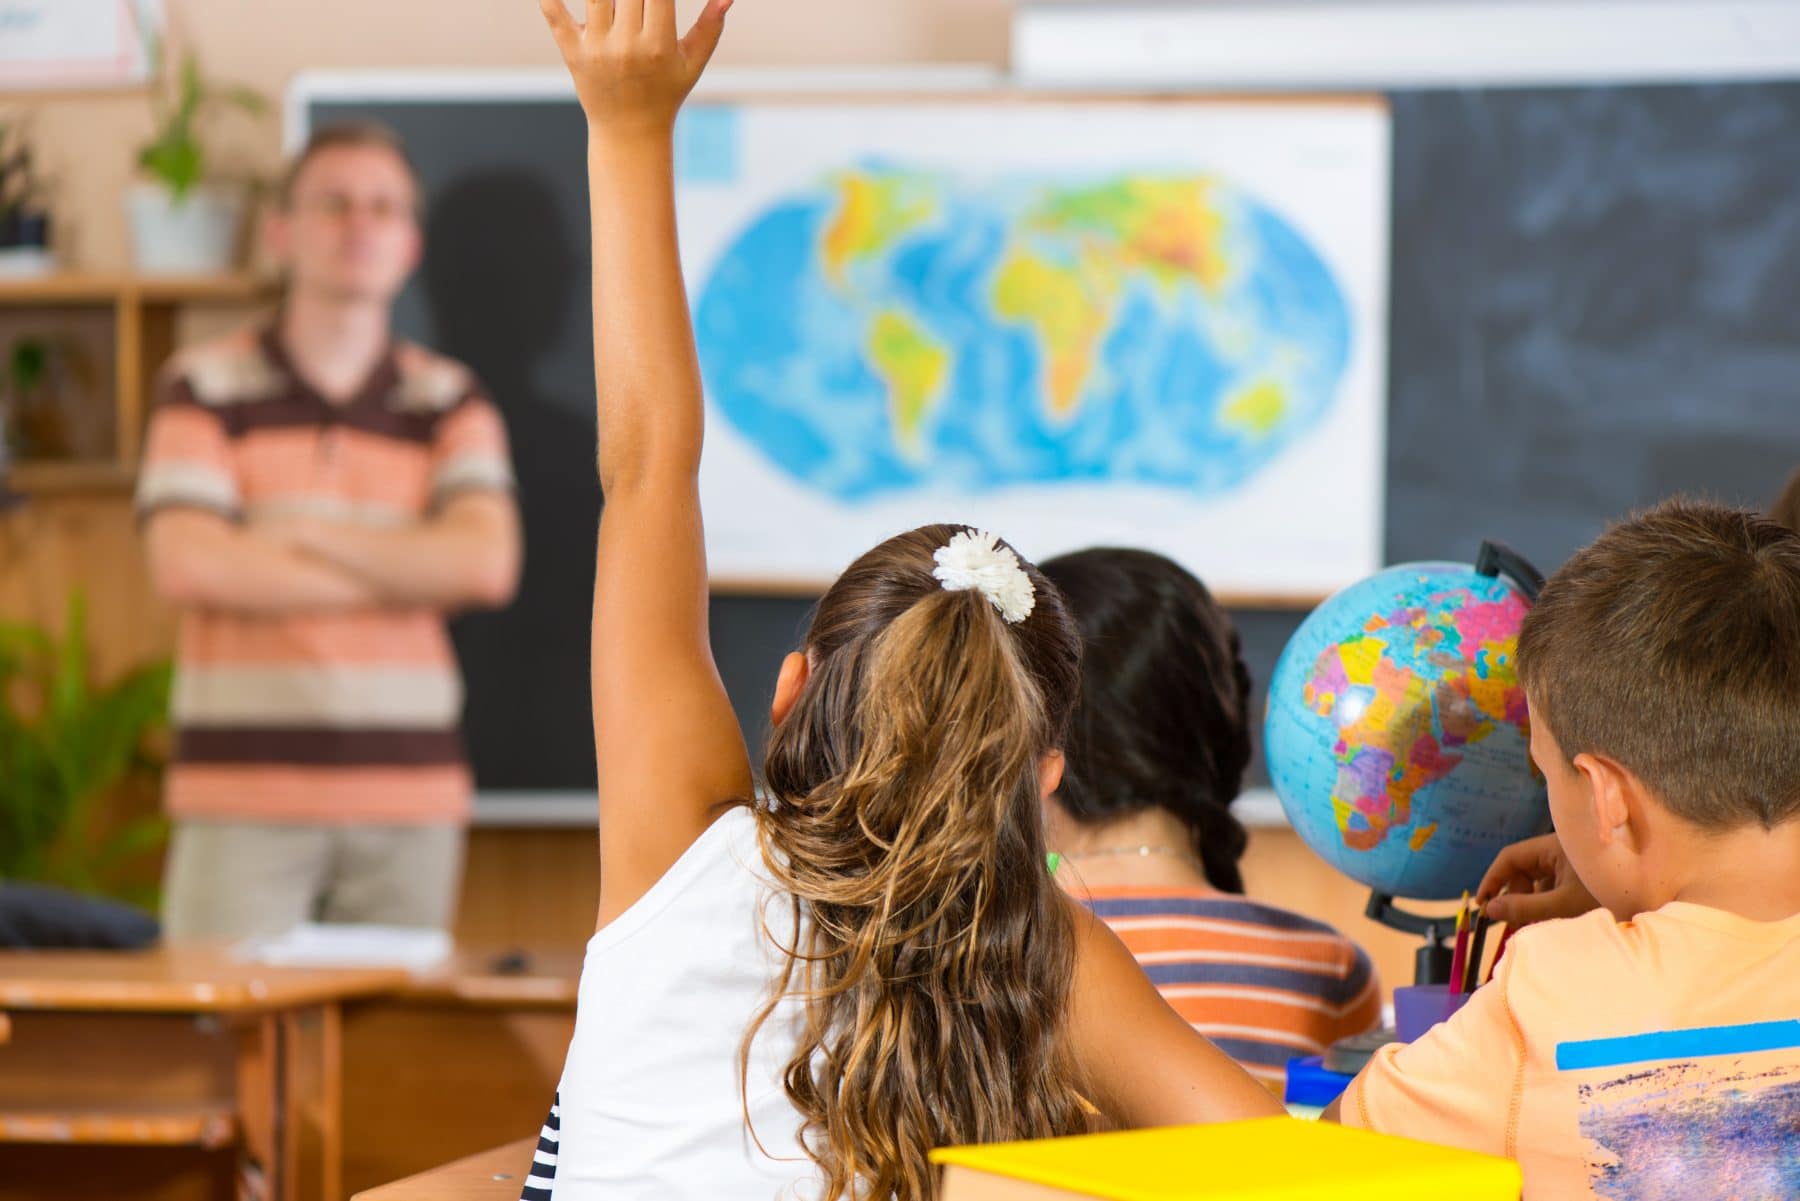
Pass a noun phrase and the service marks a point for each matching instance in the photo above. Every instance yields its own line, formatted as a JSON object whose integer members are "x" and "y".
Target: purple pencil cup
{"x": 1419, "y": 1007}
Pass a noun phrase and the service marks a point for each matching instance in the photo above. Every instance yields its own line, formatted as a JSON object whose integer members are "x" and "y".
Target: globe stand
{"x": 1497, "y": 557}
{"x": 1431, "y": 965}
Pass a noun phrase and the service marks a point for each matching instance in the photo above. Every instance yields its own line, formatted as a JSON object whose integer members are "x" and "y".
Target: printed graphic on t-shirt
{"x": 1682, "y": 1114}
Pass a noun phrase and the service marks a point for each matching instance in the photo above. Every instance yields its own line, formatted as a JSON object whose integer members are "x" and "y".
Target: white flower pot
{"x": 197, "y": 235}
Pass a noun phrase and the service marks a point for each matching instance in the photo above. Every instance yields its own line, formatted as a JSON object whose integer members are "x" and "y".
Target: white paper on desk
{"x": 320, "y": 945}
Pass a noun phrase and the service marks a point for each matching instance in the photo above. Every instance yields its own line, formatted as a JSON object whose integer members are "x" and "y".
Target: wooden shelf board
{"x": 111, "y": 289}
{"x": 98, "y": 475}
{"x": 173, "y": 1124}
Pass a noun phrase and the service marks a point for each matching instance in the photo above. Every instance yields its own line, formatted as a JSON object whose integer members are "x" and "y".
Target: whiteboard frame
{"x": 406, "y": 84}
{"x": 571, "y": 809}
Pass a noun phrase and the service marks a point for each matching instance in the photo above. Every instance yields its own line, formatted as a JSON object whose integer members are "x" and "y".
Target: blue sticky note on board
{"x": 708, "y": 144}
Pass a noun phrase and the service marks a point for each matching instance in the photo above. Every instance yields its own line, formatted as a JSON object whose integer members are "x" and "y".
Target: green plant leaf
{"x": 140, "y": 836}
{"x": 99, "y": 746}
{"x": 66, "y": 751}
{"x": 23, "y": 647}
{"x": 69, "y": 687}
{"x": 175, "y": 162}
{"x": 118, "y": 719}
{"x": 192, "y": 92}
{"x": 144, "y": 896}
{"x": 33, "y": 803}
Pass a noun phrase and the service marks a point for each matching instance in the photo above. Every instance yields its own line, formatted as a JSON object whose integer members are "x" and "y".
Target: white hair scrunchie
{"x": 974, "y": 561}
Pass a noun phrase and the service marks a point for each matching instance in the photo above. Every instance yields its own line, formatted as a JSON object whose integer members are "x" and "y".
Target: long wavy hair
{"x": 935, "y": 955}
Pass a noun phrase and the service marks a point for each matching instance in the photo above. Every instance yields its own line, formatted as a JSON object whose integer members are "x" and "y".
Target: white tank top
{"x": 650, "y": 1103}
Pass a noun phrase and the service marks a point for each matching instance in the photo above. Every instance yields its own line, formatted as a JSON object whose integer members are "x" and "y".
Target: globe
{"x": 886, "y": 330}
{"x": 1396, "y": 734}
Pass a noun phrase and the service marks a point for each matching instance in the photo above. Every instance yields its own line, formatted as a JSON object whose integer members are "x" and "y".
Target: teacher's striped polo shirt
{"x": 319, "y": 717}
{"x": 1263, "y": 984}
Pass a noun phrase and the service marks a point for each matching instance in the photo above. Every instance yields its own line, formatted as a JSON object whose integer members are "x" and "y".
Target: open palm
{"x": 631, "y": 70}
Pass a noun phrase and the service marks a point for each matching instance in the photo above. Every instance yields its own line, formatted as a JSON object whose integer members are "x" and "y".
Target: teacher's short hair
{"x": 338, "y": 135}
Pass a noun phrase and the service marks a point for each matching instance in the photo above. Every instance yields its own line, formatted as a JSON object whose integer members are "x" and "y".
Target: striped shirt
{"x": 1263, "y": 984}
{"x": 317, "y": 717}
{"x": 541, "y": 1183}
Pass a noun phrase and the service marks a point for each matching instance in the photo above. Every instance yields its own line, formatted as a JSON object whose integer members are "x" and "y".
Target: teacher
{"x": 316, "y": 496}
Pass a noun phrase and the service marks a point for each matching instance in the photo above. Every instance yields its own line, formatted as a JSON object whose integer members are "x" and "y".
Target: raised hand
{"x": 668, "y": 754}
{"x": 1532, "y": 881}
{"x": 631, "y": 70}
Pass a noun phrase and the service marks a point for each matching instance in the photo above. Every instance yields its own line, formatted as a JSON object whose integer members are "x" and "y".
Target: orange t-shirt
{"x": 1656, "y": 1060}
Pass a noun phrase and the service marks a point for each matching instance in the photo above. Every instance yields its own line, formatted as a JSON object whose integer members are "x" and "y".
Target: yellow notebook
{"x": 1273, "y": 1159}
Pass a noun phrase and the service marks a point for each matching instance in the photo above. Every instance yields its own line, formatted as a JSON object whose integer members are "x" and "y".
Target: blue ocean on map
{"x": 887, "y": 330}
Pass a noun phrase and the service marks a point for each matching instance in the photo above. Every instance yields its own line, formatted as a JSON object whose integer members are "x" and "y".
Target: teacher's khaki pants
{"x": 233, "y": 879}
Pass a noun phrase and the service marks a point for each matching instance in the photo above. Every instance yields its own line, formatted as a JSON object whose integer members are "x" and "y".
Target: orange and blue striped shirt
{"x": 1263, "y": 984}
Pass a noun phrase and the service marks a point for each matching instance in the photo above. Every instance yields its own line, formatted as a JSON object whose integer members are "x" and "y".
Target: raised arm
{"x": 1144, "y": 1063}
{"x": 666, "y": 741}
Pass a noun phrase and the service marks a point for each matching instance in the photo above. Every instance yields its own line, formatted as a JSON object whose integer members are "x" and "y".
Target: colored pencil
{"x": 1459, "y": 958}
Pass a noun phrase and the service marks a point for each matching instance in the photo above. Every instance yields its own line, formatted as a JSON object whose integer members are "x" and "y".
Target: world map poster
{"x": 1141, "y": 323}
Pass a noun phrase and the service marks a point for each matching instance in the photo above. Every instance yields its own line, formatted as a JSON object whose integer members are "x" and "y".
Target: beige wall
{"x": 88, "y": 141}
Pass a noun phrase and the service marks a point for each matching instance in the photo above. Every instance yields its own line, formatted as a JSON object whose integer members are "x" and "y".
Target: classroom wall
{"x": 89, "y": 140}
{"x": 523, "y": 887}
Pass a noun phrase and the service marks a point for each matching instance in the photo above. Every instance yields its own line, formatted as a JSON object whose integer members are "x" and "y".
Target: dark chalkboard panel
{"x": 1596, "y": 302}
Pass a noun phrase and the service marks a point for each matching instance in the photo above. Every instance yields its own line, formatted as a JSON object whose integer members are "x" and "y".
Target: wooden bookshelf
{"x": 143, "y": 314}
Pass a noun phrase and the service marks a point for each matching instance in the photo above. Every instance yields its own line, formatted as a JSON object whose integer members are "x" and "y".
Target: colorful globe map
{"x": 1397, "y": 736}
{"x": 888, "y": 330}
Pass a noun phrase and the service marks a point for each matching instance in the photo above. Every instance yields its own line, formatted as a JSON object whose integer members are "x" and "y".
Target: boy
{"x": 1648, "y": 1048}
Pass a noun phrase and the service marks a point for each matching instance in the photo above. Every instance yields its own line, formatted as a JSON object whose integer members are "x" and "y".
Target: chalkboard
{"x": 1595, "y": 303}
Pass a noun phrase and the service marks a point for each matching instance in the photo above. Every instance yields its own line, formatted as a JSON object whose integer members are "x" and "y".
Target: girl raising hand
{"x": 803, "y": 995}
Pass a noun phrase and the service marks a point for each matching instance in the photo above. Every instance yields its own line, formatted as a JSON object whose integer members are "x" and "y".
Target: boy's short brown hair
{"x": 1672, "y": 645}
{"x": 339, "y": 134}
{"x": 1787, "y": 505}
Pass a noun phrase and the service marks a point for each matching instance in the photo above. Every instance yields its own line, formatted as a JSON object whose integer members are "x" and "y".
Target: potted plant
{"x": 27, "y": 428}
{"x": 49, "y": 389}
{"x": 67, "y": 748}
{"x": 182, "y": 222}
{"x": 24, "y": 213}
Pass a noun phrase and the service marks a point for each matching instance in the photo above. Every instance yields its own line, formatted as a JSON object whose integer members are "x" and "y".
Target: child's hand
{"x": 630, "y": 70}
{"x": 1532, "y": 881}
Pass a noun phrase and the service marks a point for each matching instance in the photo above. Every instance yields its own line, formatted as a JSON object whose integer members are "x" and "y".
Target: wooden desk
{"x": 495, "y": 1175}
{"x": 178, "y": 1072}
{"x": 452, "y": 1061}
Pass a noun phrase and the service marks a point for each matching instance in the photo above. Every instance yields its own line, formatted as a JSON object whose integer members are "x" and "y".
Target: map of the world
{"x": 885, "y": 329}
{"x": 1167, "y": 331}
